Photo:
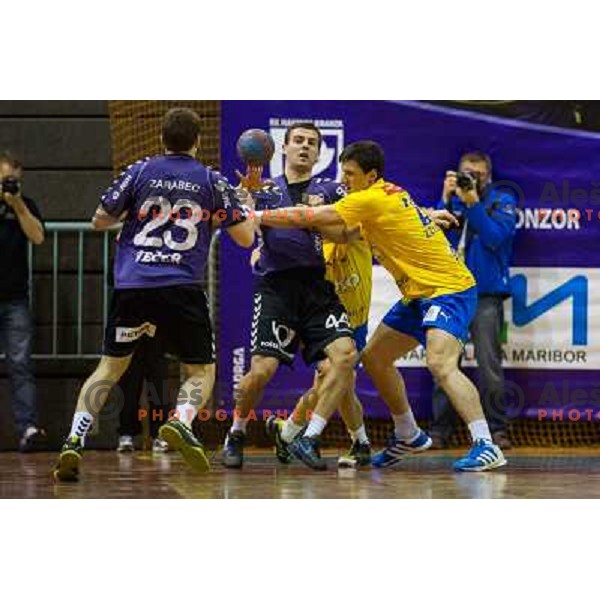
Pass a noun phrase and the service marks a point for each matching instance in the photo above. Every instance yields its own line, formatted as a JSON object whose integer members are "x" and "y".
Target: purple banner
{"x": 553, "y": 347}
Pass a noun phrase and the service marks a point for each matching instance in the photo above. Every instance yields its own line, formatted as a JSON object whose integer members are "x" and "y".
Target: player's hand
{"x": 252, "y": 180}
{"x": 450, "y": 186}
{"x": 444, "y": 219}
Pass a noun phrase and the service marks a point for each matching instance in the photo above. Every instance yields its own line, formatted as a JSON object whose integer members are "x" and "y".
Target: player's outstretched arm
{"x": 300, "y": 217}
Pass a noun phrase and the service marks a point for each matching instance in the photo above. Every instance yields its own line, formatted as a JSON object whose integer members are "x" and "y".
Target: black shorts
{"x": 178, "y": 313}
{"x": 290, "y": 309}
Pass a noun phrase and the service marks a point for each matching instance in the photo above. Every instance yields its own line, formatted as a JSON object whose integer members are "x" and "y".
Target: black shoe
{"x": 359, "y": 455}
{"x": 233, "y": 449}
{"x": 274, "y": 427}
{"x": 179, "y": 437}
{"x": 67, "y": 467}
{"x": 308, "y": 450}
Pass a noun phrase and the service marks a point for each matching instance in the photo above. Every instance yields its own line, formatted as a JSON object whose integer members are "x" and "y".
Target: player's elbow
{"x": 101, "y": 222}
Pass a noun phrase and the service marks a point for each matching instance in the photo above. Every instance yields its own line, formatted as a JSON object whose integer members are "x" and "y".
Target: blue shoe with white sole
{"x": 483, "y": 456}
{"x": 397, "y": 449}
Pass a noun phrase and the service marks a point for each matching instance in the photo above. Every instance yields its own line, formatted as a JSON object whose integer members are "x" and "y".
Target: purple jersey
{"x": 170, "y": 201}
{"x": 283, "y": 249}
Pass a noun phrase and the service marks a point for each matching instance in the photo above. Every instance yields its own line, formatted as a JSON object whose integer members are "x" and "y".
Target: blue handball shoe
{"x": 397, "y": 449}
{"x": 483, "y": 456}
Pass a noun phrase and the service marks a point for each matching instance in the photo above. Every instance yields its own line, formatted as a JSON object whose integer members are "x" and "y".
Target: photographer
{"x": 20, "y": 222}
{"x": 484, "y": 240}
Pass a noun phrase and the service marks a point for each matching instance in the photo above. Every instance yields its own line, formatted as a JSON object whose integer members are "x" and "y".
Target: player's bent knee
{"x": 440, "y": 366}
{"x": 263, "y": 369}
{"x": 344, "y": 358}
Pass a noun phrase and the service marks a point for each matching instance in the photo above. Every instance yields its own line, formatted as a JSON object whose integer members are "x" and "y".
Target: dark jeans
{"x": 486, "y": 331}
{"x": 150, "y": 365}
{"x": 16, "y": 338}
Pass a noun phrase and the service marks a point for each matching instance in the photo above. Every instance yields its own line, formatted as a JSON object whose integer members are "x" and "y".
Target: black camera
{"x": 10, "y": 185}
{"x": 466, "y": 181}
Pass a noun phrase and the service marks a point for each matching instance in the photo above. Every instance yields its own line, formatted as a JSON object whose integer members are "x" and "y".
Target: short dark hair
{"x": 7, "y": 157}
{"x": 180, "y": 129}
{"x": 302, "y": 125}
{"x": 367, "y": 154}
{"x": 477, "y": 156}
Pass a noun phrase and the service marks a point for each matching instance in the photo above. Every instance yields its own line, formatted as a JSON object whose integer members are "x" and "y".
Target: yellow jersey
{"x": 350, "y": 269}
{"x": 407, "y": 243}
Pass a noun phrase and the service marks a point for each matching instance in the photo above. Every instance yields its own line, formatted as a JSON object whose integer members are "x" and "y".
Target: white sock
{"x": 316, "y": 426}
{"x": 82, "y": 423}
{"x": 239, "y": 424}
{"x": 360, "y": 435}
{"x": 290, "y": 430}
{"x": 187, "y": 413}
{"x": 405, "y": 426}
{"x": 479, "y": 430}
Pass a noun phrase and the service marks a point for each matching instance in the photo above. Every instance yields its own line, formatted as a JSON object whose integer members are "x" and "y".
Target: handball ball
{"x": 255, "y": 147}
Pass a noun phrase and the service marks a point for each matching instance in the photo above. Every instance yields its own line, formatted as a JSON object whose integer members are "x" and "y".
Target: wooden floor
{"x": 531, "y": 473}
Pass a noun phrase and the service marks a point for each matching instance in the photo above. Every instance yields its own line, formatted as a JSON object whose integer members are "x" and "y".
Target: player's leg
{"x": 359, "y": 454}
{"x": 447, "y": 320}
{"x": 283, "y": 432}
{"x": 92, "y": 397}
{"x": 397, "y": 335}
{"x": 443, "y": 351}
{"x": 194, "y": 393}
{"x": 184, "y": 323}
{"x": 325, "y": 332}
{"x": 273, "y": 342}
{"x": 249, "y": 389}
{"x": 337, "y": 384}
{"x": 127, "y": 323}
{"x": 351, "y": 411}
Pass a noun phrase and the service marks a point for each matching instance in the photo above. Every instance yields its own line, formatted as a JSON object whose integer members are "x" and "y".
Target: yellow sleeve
{"x": 355, "y": 208}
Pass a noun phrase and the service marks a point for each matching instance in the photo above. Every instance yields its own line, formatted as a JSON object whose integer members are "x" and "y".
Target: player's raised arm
{"x": 230, "y": 214}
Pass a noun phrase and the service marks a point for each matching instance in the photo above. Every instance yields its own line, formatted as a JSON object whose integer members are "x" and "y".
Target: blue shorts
{"x": 452, "y": 313}
{"x": 360, "y": 337}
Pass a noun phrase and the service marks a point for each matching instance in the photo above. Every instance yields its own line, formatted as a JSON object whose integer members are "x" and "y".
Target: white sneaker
{"x": 160, "y": 446}
{"x": 125, "y": 444}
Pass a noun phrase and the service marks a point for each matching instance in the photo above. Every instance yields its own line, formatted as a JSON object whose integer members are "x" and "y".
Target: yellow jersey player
{"x": 438, "y": 302}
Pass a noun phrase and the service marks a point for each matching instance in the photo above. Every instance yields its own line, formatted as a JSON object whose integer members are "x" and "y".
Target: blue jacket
{"x": 489, "y": 239}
